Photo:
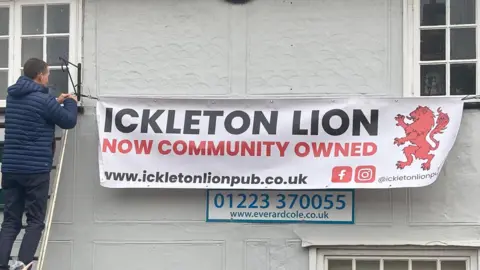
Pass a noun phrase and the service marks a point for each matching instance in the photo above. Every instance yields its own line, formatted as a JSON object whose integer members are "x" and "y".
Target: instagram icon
{"x": 365, "y": 174}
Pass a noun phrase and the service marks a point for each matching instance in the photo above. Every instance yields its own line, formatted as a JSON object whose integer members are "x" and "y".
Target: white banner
{"x": 279, "y": 206}
{"x": 275, "y": 144}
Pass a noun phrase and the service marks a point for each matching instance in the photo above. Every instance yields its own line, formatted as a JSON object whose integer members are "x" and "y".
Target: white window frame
{"x": 411, "y": 50}
{"x": 15, "y": 49}
{"x": 318, "y": 256}
{"x": 10, "y": 41}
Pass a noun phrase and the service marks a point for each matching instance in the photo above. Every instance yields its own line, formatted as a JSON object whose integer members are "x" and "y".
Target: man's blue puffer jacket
{"x": 30, "y": 118}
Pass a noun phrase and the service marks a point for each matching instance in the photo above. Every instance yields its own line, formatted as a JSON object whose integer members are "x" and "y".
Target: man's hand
{"x": 74, "y": 98}
{"x": 62, "y": 97}
{"x": 27, "y": 266}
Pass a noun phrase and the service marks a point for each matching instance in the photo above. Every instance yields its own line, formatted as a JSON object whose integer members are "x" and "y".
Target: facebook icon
{"x": 341, "y": 174}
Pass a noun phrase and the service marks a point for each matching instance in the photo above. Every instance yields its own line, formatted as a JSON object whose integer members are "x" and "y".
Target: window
{"x": 46, "y": 29}
{"x": 444, "y": 54}
{"x": 5, "y": 47}
{"x": 414, "y": 259}
{"x": 395, "y": 263}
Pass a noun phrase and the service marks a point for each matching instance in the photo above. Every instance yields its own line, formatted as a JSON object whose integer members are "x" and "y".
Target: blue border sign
{"x": 281, "y": 206}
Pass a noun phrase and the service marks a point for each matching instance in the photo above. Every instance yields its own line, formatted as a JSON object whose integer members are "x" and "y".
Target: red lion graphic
{"x": 416, "y": 133}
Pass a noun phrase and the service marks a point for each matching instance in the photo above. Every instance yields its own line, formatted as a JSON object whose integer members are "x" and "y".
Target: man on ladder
{"x": 30, "y": 118}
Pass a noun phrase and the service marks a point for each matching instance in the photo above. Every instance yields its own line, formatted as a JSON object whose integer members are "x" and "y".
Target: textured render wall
{"x": 270, "y": 47}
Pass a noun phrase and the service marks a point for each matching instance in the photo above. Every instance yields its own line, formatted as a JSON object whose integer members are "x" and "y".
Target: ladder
{"x": 40, "y": 259}
{"x": 51, "y": 203}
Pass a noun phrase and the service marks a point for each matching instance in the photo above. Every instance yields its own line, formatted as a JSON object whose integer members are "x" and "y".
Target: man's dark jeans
{"x": 23, "y": 192}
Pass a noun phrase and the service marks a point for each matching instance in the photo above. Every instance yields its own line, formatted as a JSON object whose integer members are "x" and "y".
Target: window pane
{"x": 32, "y": 47}
{"x": 58, "y": 18}
{"x": 367, "y": 265}
{"x": 395, "y": 265}
{"x": 32, "y": 20}
{"x": 462, "y": 12}
{"x": 433, "y": 80}
{"x": 4, "y": 21}
{"x": 462, "y": 79}
{"x": 424, "y": 265}
{"x": 432, "y": 12}
{"x": 3, "y": 83}
{"x": 58, "y": 82}
{"x": 56, "y": 47}
{"x": 339, "y": 265}
{"x": 432, "y": 45}
{"x": 462, "y": 43}
{"x": 4, "y": 53}
{"x": 454, "y": 265}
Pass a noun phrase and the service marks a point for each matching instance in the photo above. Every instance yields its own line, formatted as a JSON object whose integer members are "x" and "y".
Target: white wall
{"x": 195, "y": 47}
{"x": 268, "y": 47}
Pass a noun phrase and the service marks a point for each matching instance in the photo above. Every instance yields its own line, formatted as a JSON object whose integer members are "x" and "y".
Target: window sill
{"x": 473, "y": 105}
{"x": 80, "y": 109}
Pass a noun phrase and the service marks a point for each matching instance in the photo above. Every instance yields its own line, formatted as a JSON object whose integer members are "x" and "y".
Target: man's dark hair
{"x": 34, "y": 67}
